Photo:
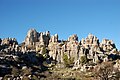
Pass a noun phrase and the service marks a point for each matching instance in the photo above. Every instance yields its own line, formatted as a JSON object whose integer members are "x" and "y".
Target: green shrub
{"x": 27, "y": 71}
{"x": 34, "y": 77}
{"x": 44, "y": 50}
{"x": 68, "y": 62}
{"x": 83, "y": 59}
{"x": 15, "y": 71}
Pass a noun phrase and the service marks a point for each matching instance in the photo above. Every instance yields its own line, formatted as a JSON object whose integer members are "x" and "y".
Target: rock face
{"x": 9, "y": 41}
{"x": 9, "y": 45}
{"x": 39, "y": 47}
{"x": 32, "y": 37}
{"x": 107, "y": 45}
{"x": 73, "y": 38}
{"x": 35, "y": 40}
{"x": 43, "y": 43}
{"x": 90, "y": 47}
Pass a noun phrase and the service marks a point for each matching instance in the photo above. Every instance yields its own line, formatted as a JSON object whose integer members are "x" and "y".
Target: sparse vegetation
{"x": 83, "y": 59}
{"x": 15, "y": 71}
{"x": 27, "y": 71}
{"x": 105, "y": 71}
{"x": 35, "y": 59}
{"x": 68, "y": 61}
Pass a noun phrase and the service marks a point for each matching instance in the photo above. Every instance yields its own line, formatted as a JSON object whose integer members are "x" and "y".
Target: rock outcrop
{"x": 41, "y": 46}
{"x": 9, "y": 45}
{"x": 36, "y": 40}
{"x": 32, "y": 37}
{"x": 89, "y": 47}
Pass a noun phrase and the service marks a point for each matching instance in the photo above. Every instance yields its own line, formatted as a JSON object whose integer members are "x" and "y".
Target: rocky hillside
{"x": 42, "y": 52}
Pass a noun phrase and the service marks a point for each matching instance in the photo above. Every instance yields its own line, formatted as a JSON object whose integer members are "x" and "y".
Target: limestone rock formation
{"x": 44, "y": 43}
{"x": 107, "y": 45}
{"x": 90, "y": 47}
{"x": 36, "y": 40}
{"x": 73, "y": 38}
{"x": 9, "y": 45}
{"x": 84, "y": 54}
{"x": 32, "y": 37}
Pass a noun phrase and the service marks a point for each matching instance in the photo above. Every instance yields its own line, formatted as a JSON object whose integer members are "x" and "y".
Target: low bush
{"x": 68, "y": 62}
{"x": 83, "y": 59}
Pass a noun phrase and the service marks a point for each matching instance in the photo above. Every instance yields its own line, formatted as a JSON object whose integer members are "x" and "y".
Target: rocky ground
{"x": 44, "y": 57}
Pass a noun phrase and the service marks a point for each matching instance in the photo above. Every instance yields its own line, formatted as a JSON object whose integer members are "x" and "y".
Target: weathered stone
{"x": 96, "y": 58}
{"x": 107, "y": 45}
{"x": 38, "y": 44}
{"x": 32, "y": 37}
{"x": 54, "y": 38}
{"x": 73, "y": 38}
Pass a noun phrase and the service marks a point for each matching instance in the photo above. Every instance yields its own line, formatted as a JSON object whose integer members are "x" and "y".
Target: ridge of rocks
{"x": 80, "y": 54}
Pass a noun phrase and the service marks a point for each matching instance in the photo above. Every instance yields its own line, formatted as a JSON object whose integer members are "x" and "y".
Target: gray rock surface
{"x": 85, "y": 54}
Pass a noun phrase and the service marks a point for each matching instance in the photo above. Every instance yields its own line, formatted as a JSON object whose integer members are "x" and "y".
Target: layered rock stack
{"x": 89, "y": 47}
{"x": 43, "y": 43}
{"x": 9, "y": 45}
{"x": 35, "y": 40}
{"x": 39, "y": 47}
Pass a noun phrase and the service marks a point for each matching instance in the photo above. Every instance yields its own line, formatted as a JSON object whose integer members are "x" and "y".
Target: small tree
{"x": 44, "y": 50}
{"x": 83, "y": 59}
{"x": 15, "y": 71}
{"x": 104, "y": 71}
{"x": 68, "y": 61}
